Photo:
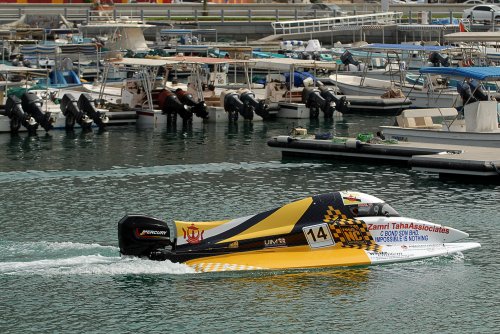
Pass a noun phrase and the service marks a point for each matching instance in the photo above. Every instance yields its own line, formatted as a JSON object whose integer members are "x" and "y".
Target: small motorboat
{"x": 344, "y": 228}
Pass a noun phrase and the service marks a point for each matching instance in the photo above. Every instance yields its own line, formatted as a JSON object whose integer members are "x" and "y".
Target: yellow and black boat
{"x": 342, "y": 228}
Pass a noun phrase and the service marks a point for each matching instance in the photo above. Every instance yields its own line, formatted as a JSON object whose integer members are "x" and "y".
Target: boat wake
{"x": 67, "y": 258}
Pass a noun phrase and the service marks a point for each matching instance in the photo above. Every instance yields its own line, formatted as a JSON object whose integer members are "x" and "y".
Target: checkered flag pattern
{"x": 348, "y": 232}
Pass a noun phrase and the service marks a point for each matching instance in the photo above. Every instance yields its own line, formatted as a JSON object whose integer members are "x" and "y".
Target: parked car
{"x": 474, "y": 2}
{"x": 482, "y": 13}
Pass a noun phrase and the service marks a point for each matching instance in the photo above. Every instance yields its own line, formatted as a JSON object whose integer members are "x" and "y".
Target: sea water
{"x": 62, "y": 195}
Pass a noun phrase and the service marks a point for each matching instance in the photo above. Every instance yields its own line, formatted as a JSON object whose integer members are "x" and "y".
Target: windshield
{"x": 373, "y": 209}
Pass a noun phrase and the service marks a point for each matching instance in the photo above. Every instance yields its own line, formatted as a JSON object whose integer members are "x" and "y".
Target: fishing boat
{"x": 476, "y": 124}
{"x": 344, "y": 228}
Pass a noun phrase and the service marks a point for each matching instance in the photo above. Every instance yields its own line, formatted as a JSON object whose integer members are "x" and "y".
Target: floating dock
{"x": 464, "y": 162}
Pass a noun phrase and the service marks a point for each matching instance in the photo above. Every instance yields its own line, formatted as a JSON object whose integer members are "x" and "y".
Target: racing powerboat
{"x": 344, "y": 228}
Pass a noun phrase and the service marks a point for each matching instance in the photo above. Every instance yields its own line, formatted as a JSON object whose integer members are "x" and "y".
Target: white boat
{"x": 120, "y": 34}
{"x": 371, "y": 83}
{"x": 478, "y": 126}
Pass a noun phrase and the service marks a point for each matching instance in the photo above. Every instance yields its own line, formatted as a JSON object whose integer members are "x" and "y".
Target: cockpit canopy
{"x": 364, "y": 205}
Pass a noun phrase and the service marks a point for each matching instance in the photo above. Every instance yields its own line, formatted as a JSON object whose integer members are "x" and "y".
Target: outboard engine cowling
{"x": 465, "y": 93}
{"x": 87, "y": 105}
{"x": 311, "y": 97}
{"x": 477, "y": 90}
{"x": 171, "y": 106}
{"x": 14, "y": 110}
{"x": 198, "y": 108}
{"x": 437, "y": 59}
{"x": 340, "y": 103}
{"x": 234, "y": 106}
{"x": 143, "y": 236}
{"x": 32, "y": 104}
{"x": 69, "y": 108}
{"x": 348, "y": 59}
{"x": 252, "y": 105}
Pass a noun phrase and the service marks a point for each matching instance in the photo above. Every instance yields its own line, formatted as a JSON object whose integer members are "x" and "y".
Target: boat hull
{"x": 485, "y": 139}
{"x": 351, "y": 85}
{"x": 303, "y": 257}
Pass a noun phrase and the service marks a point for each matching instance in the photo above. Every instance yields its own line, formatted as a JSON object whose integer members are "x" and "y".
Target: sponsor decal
{"x": 387, "y": 255}
{"x": 374, "y": 227}
{"x": 400, "y": 236}
{"x": 193, "y": 235}
{"x": 151, "y": 233}
{"x": 420, "y": 227}
{"x": 279, "y": 242}
{"x": 233, "y": 244}
{"x": 353, "y": 233}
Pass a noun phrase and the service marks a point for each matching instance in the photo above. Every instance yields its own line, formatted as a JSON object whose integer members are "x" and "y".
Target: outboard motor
{"x": 87, "y": 105}
{"x": 311, "y": 97}
{"x": 347, "y": 59}
{"x": 32, "y": 104}
{"x": 234, "y": 106}
{"x": 477, "y": 90}
{"x": 171, "y": 106}
{"x": 331, "y": 98}
{"x": 70, "y": 110}
{"x": 143, "y": 236}
{"x": 14, "y": 110}
{"x": 198, "y": 108}
{"x": 252, "y": 105}
{"x": 306, "y": 56}
{"x": 465, "y": 92}
{"x": 437, "y": 59}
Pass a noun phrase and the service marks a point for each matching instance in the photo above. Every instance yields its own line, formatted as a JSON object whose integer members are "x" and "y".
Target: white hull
{"x": 486, "y": 139}
{"x": 156, "y": 118}
{"x": 351, "y": 85}
{"x": 392, "y": 254}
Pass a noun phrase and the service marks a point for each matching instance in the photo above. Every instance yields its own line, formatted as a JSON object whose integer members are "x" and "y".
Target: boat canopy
{"x": 474, "y": 37}
{"x": 399, "y": 48}
{"x": 479, "y": 73}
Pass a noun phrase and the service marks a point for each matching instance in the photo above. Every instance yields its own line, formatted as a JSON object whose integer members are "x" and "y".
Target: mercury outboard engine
{"x": 198, "y": 108}
{"x": 69, "y": 108}
{"x": 328, "y": 94}
{"x": 87, "y": 105}
{"x": 234, "y": 106}
{"x": 32, "y": 104}
{"x": 143, "y": 236}
{"x": 477, "y": 90}
{"x": 171, "y": 106}
{"x": 311, "y": 97}
{"x": 252, "y": 105}
{"x": 437, "y": 59}
{"x": 14, "y": 110}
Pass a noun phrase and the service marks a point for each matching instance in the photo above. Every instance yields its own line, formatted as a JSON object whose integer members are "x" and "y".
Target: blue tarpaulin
{"x": 479, "y": 73}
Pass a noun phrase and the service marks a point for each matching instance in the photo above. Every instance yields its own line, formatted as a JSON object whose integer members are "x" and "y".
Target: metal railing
{"x": 334, "y": 23}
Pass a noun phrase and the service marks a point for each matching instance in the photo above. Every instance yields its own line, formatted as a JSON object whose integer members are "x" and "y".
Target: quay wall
{"x": 254, "y": 20}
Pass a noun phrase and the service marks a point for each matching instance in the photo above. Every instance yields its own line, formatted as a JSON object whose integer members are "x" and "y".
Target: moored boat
{"x": 476, "y": 126}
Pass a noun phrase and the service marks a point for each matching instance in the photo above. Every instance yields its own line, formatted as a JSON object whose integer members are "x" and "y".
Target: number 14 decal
{"x": 318, "y": 235}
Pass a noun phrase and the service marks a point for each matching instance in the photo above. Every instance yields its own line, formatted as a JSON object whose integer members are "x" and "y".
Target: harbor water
{"x": 62, "y": 195}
